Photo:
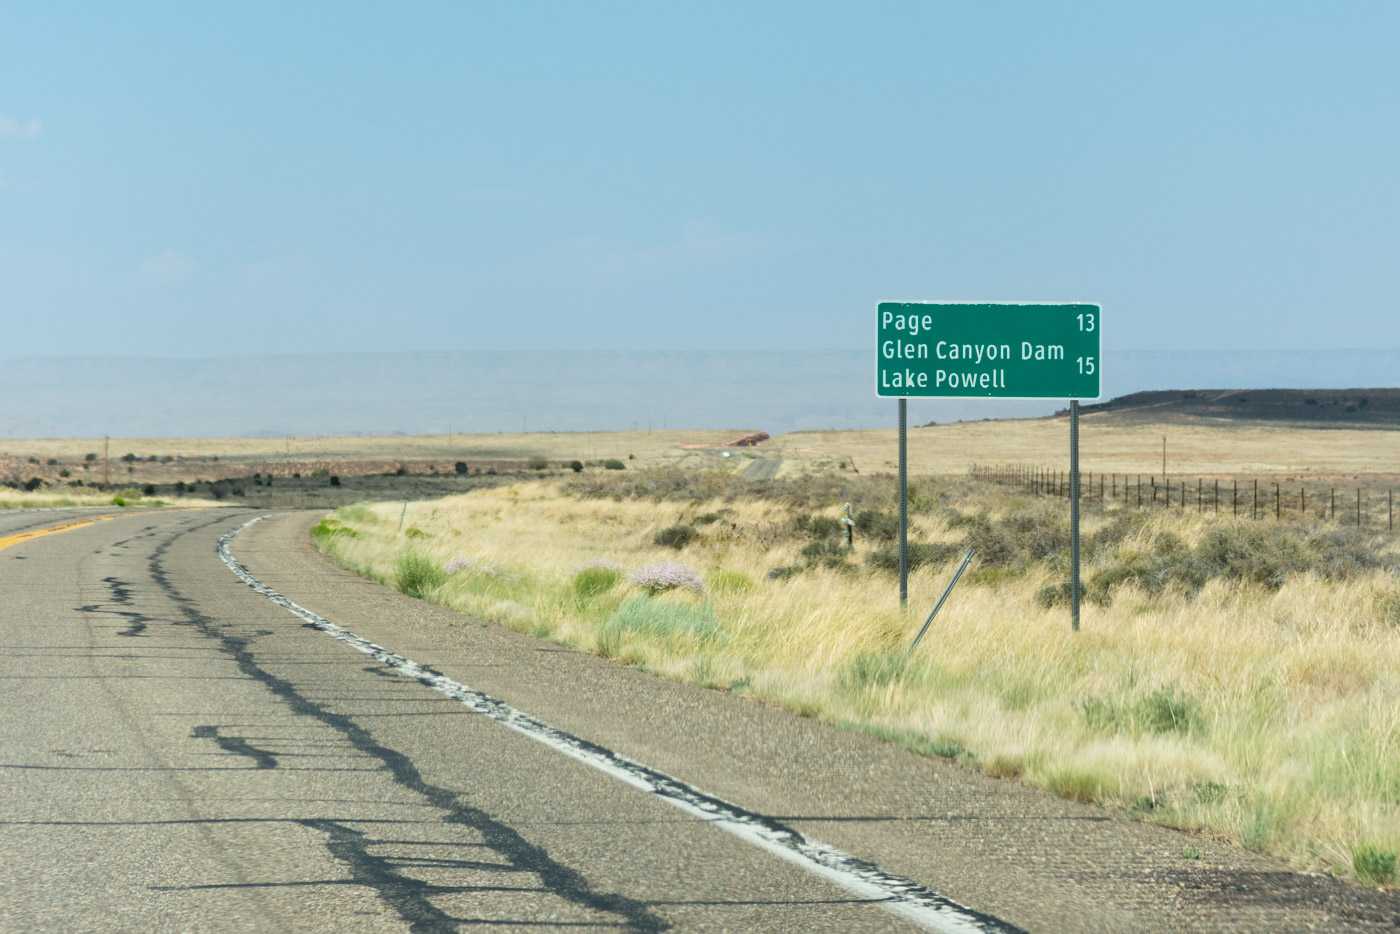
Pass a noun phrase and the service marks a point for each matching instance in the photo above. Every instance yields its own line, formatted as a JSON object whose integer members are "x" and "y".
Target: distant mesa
{"x": 747, "y": 441}
{"x": 1335, "y": 408}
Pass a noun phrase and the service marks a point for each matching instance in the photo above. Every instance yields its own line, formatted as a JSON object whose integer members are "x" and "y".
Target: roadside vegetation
{"x": 39, "y": 497}
{"x": 1236, "y": 678}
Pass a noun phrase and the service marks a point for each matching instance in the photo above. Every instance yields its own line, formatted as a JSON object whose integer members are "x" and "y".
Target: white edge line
{"x": 900, "y": 896}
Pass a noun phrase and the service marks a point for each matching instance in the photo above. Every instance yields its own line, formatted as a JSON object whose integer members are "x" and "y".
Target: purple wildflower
{"x": 667, "y": 575}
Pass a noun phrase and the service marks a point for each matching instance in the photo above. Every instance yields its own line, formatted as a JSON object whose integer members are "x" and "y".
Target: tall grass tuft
{"x": 1373, "y": 865}
{"x": 417, "y": 575}
{"x": 658, "y": 620}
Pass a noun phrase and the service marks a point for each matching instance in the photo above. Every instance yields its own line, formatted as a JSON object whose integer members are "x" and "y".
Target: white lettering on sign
{"x": 996, "y": 379}
{"x": 914, "y": 324}
{"x": 1031, "y": 351}
{"x": 901, "y": 350}
{"x": 903, "y": 379}
{"x": 974, "y": 352}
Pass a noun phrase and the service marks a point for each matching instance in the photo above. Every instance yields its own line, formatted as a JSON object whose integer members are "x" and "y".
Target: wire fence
{"x": 1364, "y": 507}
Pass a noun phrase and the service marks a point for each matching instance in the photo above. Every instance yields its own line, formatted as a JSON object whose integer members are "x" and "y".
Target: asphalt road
{"x": 179, "y": 752}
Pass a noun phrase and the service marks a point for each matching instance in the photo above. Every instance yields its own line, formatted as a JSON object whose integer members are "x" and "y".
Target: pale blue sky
{"x": 198, "y": 179}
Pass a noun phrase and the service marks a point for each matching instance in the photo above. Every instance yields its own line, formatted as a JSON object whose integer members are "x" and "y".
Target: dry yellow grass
{"x": 1107, "y": 444}
{"x": 649, "y": 447}
{"x": 1288, "y": 701}
{"x": 86, "y": 496}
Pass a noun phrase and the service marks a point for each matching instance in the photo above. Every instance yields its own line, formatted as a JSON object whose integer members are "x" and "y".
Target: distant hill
{"x": 1326, "y": 408}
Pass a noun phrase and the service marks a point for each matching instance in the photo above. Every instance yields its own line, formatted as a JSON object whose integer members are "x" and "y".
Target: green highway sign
{"x": 987, "y": 350}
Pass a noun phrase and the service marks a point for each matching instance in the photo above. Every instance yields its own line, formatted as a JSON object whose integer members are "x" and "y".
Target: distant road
{"x": 181, "y": 752}
{"x": 765, "y": 468}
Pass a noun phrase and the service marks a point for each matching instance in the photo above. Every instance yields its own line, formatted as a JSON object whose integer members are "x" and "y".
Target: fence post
{"x": 1217, "y": 496}
{"x": 1254, "y": 510}
{"x": 1303, "y": 503}
{"x": 1278, "y": 503}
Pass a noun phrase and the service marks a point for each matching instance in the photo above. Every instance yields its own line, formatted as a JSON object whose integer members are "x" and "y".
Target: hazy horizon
{"x": 306, "y": 395}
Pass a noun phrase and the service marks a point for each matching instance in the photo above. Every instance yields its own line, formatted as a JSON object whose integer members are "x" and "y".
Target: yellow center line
{"x": 40, "y": 533}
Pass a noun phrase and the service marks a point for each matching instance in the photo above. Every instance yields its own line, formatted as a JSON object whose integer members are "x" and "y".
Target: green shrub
{"x": 730, "y": 582}
{"x": 594, "y": 581}
{"x": 816, "y": 526}
{"x": 658, "y": 619}
{"x": 335, "y": 481}
{"x": 330, "y": 528}
{"x": 33, "y": 483}
{"x": 920, "y": 555}
{"x": 537, "y": 463}
{"x": 827, "y": 554}
{"x": 613, "y": 463}
{"x": 1165, "y": 710}
{"x": 148, "y": 490}
{"x": 706, "y": 518}
{"x": 415, "y": 532}
{"x": 676, "y": 536}
{"x": 576, "y": 466}
{"x": 460, "y": 467}
{"x": 416, "y": 574}
{"x": 1372, "y": 865}
{"x": 118, "y": 501}
{"x": 866, "y": 671}
{"x": 876, "y": 526}
{"x": 1255, "y": 553}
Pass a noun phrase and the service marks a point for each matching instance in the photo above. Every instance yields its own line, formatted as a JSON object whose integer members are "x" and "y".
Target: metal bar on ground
{"x": 939, "y": 605}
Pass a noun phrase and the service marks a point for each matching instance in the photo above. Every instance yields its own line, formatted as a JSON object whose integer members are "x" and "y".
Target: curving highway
{"x": 239, "y": 737}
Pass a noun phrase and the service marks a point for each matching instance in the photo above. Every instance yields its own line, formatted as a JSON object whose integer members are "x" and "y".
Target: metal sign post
{"x": 964, "y": 350}
{"x": 1074, "y": 513}
{"x": 903, "y": 503}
